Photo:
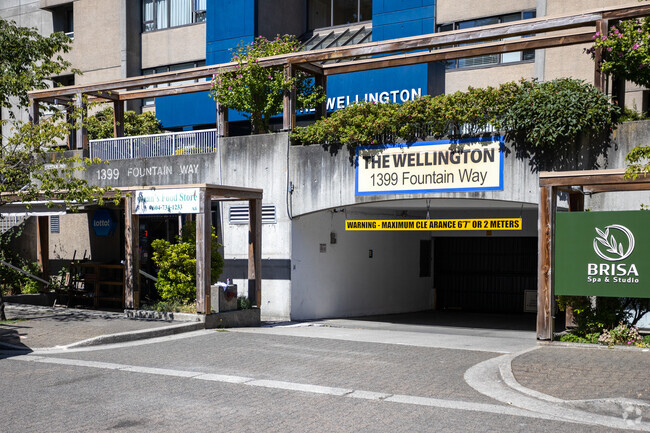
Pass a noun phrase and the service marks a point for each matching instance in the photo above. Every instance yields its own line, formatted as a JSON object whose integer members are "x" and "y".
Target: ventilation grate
{"x": 239, "y": 214}
{"x": 54, "y": 224}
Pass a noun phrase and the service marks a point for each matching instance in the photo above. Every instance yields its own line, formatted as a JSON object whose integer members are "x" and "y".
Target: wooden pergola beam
{"x": 592, "y": 179}
{"x": 499, "y": 47}
{"x": 202, "y": 86}
{"x": 381, "y": 48}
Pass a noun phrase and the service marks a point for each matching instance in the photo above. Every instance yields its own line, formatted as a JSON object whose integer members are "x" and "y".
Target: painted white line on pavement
{"x": 223, "y": 378}
{"x": 316, "y": 389}
{"x": 304, "y": 387}
{"x": 160, "y": 371}
{"x": 369, "y": 395}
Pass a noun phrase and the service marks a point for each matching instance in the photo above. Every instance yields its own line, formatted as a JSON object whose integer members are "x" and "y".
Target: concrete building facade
{"x": 312, "y": 266}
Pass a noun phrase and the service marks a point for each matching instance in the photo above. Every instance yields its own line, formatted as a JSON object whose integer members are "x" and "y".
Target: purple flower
{"x": 609, "y": 48}
{"x": 635, "y": 46}
{"x": 604, "y": 38}
{"x": 620, "y": 35}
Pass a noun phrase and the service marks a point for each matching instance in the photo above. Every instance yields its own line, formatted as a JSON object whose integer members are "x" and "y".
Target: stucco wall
{"x": 389, "y": 282}
{"x": 460, "y": 10}
{"x": 322, "y": 181}
{"x": 175, "y": 45}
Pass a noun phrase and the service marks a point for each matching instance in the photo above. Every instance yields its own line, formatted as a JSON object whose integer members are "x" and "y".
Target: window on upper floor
{"x": 493, "y": 59}
{"x": 329, "y": 13}
{"x": 149, "y": 102}
{"x": 163, "y": 14}
{"x": 63, "y": 19}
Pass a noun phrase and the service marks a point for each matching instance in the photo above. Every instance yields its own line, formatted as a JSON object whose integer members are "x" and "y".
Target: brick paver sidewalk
{"x": 41, "y": 327}
{"x": 575, "y": 373}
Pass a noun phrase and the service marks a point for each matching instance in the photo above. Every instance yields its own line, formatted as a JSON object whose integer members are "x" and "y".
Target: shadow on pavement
{"x": 10, "y": 342}
{"x": 461, "y": 319}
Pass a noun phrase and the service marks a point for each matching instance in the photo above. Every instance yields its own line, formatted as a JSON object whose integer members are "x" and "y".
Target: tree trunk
{"x": 2, "y": 308}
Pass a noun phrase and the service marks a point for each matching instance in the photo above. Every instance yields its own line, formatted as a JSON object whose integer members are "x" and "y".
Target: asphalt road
{"x": 241, "y": 382}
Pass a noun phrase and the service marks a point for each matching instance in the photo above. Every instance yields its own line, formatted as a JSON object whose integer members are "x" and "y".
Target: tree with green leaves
{"x": 100, "y": 124}
{"x": 30, "y": 168}
{"x": 258, "y": 92}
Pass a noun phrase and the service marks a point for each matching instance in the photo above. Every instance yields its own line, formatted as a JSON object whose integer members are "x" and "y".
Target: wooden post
{"x": 34, "y": 111}
{"x": 118, "y": 119}
{"x": 618, "y": 91}
{"x": 81, "y": 133}
{"x": 255, "y": 252}
{"x": 321, "y": 109}
{"x": 600, "y": 79}
{"x": 289, "y": 103}
{"x": 545, "y": 300}
{"x": 222, "y": 120}
{"x": 203, "y": 254}
{"x": 131, "y": 253}
{"x": 43, "y": 245}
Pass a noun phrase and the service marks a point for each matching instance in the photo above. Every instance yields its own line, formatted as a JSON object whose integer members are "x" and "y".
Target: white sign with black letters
{"x": 167, "y": 201}
{"x": 434, "y": 166}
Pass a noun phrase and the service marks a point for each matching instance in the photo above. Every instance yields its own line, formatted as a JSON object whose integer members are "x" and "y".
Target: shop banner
{"x": 430, "y": 166}
{"x": 603, "y": 254}
{"x": 167, "y": 201}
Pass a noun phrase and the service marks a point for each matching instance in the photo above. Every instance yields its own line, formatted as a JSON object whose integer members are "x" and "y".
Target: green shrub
{"x": 623, "y": 335}
{"x": 646, "y": 340}
{"x": 177, "y": 265}
{"x": 572, "y": 338}
{"x": 172, "y": 307}
{"x": 243, "y": 303}
{"x": 605, "y": 314}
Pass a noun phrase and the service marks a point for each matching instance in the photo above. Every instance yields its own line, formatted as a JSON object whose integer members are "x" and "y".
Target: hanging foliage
{"x": 545, "y": 122}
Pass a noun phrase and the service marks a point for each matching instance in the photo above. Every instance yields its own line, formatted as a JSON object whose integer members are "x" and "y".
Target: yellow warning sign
{"x": 442, "y": 224}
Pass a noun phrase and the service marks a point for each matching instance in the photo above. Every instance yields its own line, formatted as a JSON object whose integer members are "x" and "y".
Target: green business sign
{"x": 603, "y": 254}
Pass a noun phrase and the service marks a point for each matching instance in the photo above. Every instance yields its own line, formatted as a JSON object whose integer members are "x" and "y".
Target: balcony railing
{"x": 146, "y": 146}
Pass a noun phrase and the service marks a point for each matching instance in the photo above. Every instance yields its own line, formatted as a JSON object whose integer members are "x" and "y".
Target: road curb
{"x": 144, "y": 334}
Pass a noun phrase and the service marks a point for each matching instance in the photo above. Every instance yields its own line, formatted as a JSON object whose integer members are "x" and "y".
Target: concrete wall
{"x": 174, "y": 45}
{"x": 460, "y": 79}
{"x": 344, "y": 281}
{"x": 252, "y": 161}
{"x": 323, "y": 181}
{"x": 76, "y": 239}
{"x": 628, "y": 135}
{"x": 460, "y": 10}
{"x": 96, "y": 49}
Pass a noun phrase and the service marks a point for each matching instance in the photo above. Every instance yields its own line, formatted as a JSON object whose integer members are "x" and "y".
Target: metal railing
{"x": 8, "y": 222}
{"x": 145, "y": 146}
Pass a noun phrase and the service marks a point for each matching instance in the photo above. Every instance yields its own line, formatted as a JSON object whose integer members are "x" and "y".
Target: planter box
{"x": 162, "y": 315}
{"x": 226, "y": 319}
{"x": 233, "y": 319}
{"x": 42, "y": 299}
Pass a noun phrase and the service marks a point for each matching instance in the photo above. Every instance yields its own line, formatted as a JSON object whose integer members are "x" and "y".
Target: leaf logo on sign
{"x": 608, "y": 248}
